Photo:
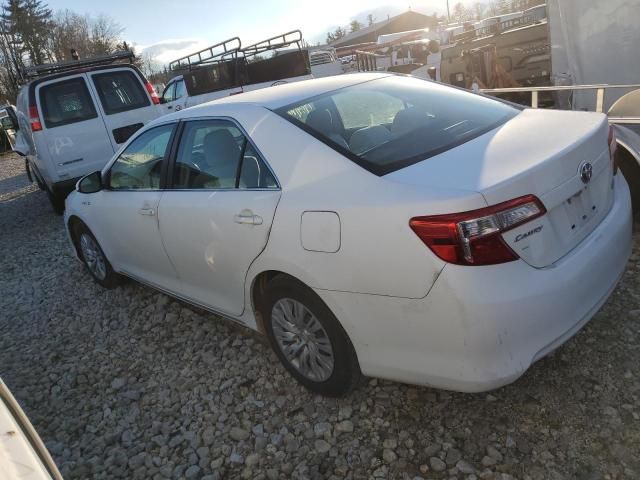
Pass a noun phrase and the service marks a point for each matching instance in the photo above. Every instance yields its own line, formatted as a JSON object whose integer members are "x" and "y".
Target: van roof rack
{"x": 207, "y": 55}
{"x": 51, "y": 68}
{"x": 279, "y": 41}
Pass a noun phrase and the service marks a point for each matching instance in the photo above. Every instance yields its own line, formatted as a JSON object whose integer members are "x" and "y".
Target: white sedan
{"x": 370, "y": 223}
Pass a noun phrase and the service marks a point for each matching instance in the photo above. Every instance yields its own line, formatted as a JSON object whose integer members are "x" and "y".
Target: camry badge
{"x": 586, "y": 171}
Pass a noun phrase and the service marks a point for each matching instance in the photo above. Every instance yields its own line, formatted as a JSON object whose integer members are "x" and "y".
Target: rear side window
{"x": 120, "y": 91}
{"x": 393, "y": 122}
{"x": 66, "y": 102}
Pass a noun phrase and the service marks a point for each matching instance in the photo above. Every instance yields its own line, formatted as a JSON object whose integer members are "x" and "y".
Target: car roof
{"x": 288, "y": 93}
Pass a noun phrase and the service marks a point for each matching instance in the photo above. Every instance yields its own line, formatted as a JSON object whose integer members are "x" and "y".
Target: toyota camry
{"x": 369, "y": 224}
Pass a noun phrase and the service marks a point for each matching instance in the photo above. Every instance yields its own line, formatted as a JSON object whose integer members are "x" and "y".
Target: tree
{"x": 460, "y": 13}
{"x": 28, "y": 22}
{"x": 355, "y": 25}
{"x": 105, "y": 34}
{"x": 478, "y": 10}
{"x": 370, "y": 19}
{"x": 89, "y": 36}
{"x": 336, "y": 35}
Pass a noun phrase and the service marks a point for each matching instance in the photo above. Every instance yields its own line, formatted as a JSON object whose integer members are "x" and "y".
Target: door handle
{"x": 147, "y": 211}
{"x": 169, "y": 107}
{"x": 248, "y": 218}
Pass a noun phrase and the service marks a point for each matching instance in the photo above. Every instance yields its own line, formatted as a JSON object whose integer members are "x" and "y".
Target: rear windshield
{"x": 66, "y": 102}
{"x": 393, "y": 122}
{"x": 120, "y": 91}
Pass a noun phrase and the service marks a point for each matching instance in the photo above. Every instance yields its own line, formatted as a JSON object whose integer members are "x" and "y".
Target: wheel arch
{"x": 628, "y": 160}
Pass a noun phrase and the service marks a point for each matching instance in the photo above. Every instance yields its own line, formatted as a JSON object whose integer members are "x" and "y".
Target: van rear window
{"x": 120, "y": 91}
{"x": 66, "y": 102}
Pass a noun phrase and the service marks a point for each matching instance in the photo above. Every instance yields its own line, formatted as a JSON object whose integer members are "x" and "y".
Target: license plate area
{"x": 581, "y": 208}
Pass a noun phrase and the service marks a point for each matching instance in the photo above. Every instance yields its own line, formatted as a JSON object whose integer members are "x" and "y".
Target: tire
{"x": 94, "y": 258}
{"x": 56, "y": 202}
{"x": 320, "y": 355}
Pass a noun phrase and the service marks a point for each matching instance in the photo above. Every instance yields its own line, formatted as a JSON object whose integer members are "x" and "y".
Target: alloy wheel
{"x": 93, "y": 256}
{"x": 302, "y": 339}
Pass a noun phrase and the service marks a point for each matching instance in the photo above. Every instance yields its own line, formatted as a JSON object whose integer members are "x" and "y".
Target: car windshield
{"x": 393, "y": 122}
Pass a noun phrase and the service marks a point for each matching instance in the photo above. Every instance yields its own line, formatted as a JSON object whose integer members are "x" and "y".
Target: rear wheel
{"x": 308, "y": 339}
{"x": 94, "y": 259}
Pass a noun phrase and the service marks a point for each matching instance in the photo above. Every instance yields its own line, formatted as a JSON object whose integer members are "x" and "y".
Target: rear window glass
{"x": 66, "y": 102}
{"x": 393, "y": 122}
{"x": 120, "y": 91}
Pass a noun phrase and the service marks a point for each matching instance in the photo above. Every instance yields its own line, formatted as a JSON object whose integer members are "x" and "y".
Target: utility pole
{"x": 448, "y": 13}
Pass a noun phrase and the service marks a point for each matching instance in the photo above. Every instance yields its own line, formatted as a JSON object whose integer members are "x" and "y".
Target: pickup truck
{"x": 227, "y": 68}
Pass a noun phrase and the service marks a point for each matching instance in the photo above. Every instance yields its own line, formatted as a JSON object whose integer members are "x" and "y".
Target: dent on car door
{"x": 216, "y": 218}
{"x": 125, "y": 213}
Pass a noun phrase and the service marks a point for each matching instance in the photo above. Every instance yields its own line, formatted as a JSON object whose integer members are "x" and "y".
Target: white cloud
{"x": 167, "y": 50}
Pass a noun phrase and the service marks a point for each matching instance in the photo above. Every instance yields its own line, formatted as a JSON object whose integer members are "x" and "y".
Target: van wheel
{"x": 308, "y": 339}
{"x": 56, "y": 202}
{"x": 94, "y": 258}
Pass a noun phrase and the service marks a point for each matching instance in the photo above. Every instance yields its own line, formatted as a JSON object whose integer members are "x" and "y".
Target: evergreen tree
{"x": 28, "y": 23}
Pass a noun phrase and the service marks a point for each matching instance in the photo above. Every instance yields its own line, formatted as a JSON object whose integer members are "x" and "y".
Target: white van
{"x": 73, "y": 117}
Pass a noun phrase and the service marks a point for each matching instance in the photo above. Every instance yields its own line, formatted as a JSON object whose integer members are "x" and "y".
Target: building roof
{"x": 357, "y": 36}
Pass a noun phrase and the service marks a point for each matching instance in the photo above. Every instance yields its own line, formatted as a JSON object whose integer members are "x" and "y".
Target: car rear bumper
{"x": 481, "y": 327}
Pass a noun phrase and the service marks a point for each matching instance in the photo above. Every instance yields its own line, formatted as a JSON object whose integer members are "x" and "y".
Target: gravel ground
{"x": 132, "y": 384}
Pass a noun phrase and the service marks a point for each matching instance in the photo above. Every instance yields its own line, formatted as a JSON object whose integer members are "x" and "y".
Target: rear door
{"x": 216, "y": 219}
{"x": 73, "y": 132}
{"x": 123, "y": 103}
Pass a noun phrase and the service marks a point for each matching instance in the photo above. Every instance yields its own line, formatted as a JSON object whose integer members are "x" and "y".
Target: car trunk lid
{"x": 538, "y": 152}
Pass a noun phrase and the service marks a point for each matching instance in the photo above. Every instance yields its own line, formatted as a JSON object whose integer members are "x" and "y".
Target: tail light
{"x": 613, "y": 146}
{"x": 475, "y": 237}
{"x": 34, "y": 119}
{"x": 152, "y": 93}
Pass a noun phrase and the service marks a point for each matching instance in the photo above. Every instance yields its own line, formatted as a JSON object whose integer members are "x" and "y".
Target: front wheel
{"x": 95, "y": 260}
{"x": 308, "y": 339}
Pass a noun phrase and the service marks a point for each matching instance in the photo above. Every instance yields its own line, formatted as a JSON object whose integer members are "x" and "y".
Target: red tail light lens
{"x": 613, "y": 146}
{"x": 152, "y": 93}
{"x": 34, "y": 119}
{"x": 475, "y": 237}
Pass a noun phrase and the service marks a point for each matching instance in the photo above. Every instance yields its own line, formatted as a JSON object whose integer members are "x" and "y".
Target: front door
{"x": 216, "y": 219}
{"x": 128, "y": 210}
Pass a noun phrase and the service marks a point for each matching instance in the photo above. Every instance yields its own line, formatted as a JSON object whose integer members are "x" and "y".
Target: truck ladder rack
{"x": 208, "y": 55}
{"x": 279, "y": 41}
{"x": 51, "y": 68}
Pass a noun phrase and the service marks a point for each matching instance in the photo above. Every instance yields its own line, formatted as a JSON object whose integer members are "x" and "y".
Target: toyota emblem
{"x": 586, "y": 171}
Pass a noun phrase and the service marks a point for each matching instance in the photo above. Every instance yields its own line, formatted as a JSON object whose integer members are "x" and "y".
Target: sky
{"x": 169, "y": 29}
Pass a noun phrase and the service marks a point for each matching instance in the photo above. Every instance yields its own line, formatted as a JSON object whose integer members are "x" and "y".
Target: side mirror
{"x": 163, "y": 100}
{"x": 92, "y": 183}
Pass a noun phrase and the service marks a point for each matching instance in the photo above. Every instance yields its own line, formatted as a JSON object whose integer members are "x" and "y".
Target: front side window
{"x": 387, "y": 124}
{"x": 215, "y": 154}
{"x": 181, "y": 91}
{"x": 139, "y": 167}
{"x": 169, "y": 93}
{"x": 120, "y": 91}
{"x": 66, "y": 102}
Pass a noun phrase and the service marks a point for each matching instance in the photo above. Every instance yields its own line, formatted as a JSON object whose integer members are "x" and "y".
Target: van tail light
{"x": 475, "y": 237}
{"x": 34, "y": 119}
{"x": 613, "y": 146}
{"x": 152, "y": 93}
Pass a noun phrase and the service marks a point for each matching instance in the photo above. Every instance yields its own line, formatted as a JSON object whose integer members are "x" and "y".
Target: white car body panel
{"x": 23, "y": 455}
{"x": 410, "y": 315}
{"x": 141, "y": 253}
{"x": 227, "y": 247}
